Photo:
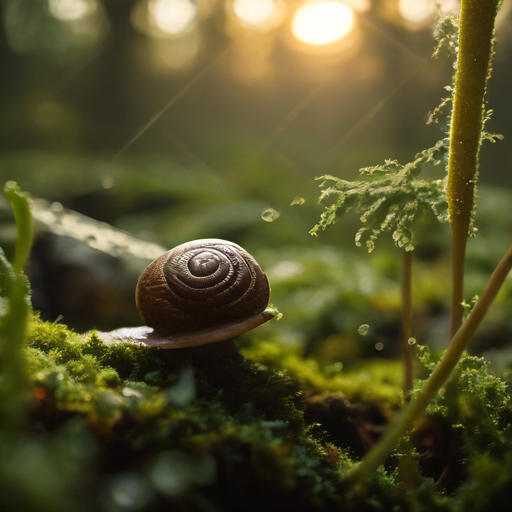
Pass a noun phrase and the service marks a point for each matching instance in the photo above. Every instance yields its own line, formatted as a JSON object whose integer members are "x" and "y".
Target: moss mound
{"x": 125, "y": 427}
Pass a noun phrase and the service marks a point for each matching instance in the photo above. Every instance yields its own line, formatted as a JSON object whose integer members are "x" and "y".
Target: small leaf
{"x": 21, "y": 207}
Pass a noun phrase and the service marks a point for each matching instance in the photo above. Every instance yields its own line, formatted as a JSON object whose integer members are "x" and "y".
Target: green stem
{"x": 405, "y": 419}
{"x": 476, "y": 30}
{"x": 407, "y": 322}
{"x": 15, "y": 315}
{"x": 20, "y": 206}
{"x": 14, "y": 390}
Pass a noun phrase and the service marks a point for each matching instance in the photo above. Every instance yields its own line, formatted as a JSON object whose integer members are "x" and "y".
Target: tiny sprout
{"x": 298, "y": 200}
{"x": 270, "y": 215}
{"x": 411, "y": 341}
{"x": 363, "y": 329}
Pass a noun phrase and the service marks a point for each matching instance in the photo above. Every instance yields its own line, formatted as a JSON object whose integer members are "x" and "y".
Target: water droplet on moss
{"x": 270, "y": 215}
{"x": 363, "y": 329}
{"x": 411, "y": 341}
{"x": 129, "y": 491}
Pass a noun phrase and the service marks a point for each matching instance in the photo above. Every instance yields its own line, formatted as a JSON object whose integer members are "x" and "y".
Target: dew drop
{"x": 129, "y": 491}
{"x": 270, "y": 215}
{"x": 379, "y": 346}
{"x": 411, "y": 341}
{"x": 363, "y": 329}
{"x": 107, "y": 182}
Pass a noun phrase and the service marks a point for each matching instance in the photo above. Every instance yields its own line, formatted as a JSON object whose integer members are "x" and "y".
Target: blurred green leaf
{"x": 20, "y": 205}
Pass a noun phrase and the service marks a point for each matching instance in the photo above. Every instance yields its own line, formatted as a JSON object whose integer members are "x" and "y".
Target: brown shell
{"x": 201, "y": 284}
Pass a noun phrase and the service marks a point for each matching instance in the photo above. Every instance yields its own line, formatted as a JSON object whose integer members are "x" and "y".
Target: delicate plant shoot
{"x": 20, "y": 206}
{"x": 389, "y": 200}
{"x": 14, "y": 314}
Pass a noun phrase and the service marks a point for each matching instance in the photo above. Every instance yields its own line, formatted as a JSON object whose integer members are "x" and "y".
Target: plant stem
{"x": 476, "y": 29}
{"x": 407, "y": 322}
{"x": 20, "y": 206}
{"x": 15, "y": 314}
{"x": 14, "y": 390}
{"x": 405, "y": 419}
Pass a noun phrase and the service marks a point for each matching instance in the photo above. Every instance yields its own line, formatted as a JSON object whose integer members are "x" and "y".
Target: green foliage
{"x": 479, "y": 405}
{"x": 239, "y": 425}
{"x": 476, "y": 402}
{"x": 447, "y": 35}
{"x": 179, "y": 425}
{"x": 371, "y": 380}
{"x": 14, "y": 313}
{"x": 20, "y": 205}
{"x": 488, "y": 486}
{"x": 392, "y": 195}
{"x": 389, "y": 201}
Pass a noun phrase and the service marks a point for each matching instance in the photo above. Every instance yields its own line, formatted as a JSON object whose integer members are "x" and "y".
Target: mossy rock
{"x": 125, "y": 427}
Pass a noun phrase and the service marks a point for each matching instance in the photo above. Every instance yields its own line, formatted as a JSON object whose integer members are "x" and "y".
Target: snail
{"x": 197, "y": 293}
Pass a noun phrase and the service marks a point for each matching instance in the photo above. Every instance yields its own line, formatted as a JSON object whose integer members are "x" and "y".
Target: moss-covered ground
{"x": 125, "y": 427}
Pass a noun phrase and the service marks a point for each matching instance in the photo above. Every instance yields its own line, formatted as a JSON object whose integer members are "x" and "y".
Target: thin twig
{"x": 407, "y": 323}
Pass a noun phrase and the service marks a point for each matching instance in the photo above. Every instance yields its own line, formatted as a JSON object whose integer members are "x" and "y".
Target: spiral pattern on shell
{"x": 201, "y": 284}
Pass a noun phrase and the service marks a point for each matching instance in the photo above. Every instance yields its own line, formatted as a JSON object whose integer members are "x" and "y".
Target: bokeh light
{"x": 172, "y": 16}
{"x": 71, "y": 10}
{"x": 254, "y": 12}
{"x": 60, "y": 28}
{"x": 174, "y": 38}
{"x": 322, "y": 22}
{"x": 422, "y": 14}
{"x": 417, "y": 12}
{"x": 173, "y": 55}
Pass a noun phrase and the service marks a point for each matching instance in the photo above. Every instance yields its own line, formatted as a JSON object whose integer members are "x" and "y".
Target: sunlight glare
{"x": 172, "y": 16}
{"x": 254, "y": 12}
{"x": 322, "y": 22}
{"x": 70, "y": 10}
{"x": 417, "y": 12}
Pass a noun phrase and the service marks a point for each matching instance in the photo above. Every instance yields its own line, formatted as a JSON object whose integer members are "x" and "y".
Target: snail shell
{"x": 203, "y": 286}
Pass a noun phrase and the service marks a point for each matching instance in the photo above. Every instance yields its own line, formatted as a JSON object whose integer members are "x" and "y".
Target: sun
{"x": 322, "y": 22}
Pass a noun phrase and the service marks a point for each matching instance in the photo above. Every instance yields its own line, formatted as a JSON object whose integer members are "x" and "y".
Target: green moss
{"x": 371, "y": 380}
{"x": 209, "y": 426}
{"x": 477, "y": 403}
{"x": 221, "y": 429}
